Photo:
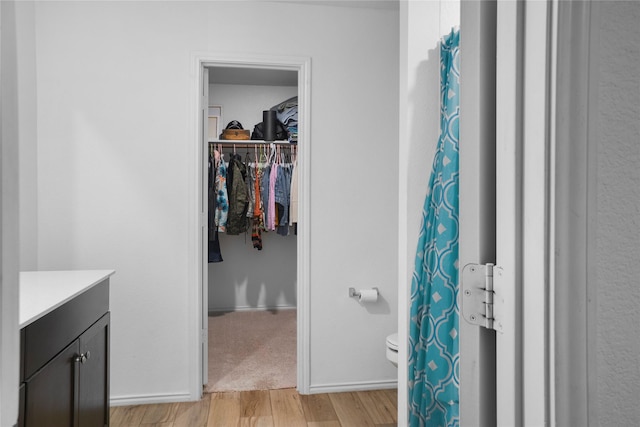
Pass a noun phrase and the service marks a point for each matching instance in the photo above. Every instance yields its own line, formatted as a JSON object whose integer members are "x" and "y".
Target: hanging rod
{"x": 248, "y": 143}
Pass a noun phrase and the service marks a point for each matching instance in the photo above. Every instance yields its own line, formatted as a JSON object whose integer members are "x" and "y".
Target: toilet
{"x": 392, "y": 348}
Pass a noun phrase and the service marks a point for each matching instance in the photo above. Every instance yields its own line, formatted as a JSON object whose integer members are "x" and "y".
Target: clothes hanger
{"x": 272, "y": 153}
{"x": 215, "y": 155}
{"x": 288, "y": 155}
{"x": 263, "y": 155}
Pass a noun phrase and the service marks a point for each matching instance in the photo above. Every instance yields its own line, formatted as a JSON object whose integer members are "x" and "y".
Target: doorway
{"x": 247, "y": 66}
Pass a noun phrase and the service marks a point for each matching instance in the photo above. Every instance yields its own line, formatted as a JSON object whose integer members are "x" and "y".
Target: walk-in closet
{"x": 252, "y": 222}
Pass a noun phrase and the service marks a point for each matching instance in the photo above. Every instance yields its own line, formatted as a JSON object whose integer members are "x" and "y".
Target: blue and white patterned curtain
{"x": 433, "y": 335}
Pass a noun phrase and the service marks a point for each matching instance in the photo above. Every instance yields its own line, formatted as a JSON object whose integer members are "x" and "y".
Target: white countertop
{"x": 43, "y": 291}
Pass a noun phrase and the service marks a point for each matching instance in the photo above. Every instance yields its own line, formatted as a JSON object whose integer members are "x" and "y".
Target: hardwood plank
{"x": 224, "y": 409}
{"x": 255, "y": 403}
{"x": 350, "y": 409}
{"x": 192, "y": 414}
{"x": 392, "y": 394}
{"x": 266, "y": 409}
{"x": 263, "y": 421}
{"x": 114, "y": 414}
{"x": 379, "y": 406}
{"x": 286, "y": 408}
{"x": 159, "y": 413}
{"x": 318, "y": 407}
{"x": 128, "y": 416}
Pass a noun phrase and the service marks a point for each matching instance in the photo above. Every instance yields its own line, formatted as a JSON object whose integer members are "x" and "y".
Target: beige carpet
{"x": 252, "y": 350}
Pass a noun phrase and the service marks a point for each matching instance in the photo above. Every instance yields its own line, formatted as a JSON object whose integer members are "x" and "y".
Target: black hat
{"x": 234, "y": 124}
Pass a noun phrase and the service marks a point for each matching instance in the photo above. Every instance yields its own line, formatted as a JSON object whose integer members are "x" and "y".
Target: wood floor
{"x": 274, "y": 408}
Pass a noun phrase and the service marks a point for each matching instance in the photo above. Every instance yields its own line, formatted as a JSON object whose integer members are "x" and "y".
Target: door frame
{"x": 574, "y": 135}
{"x": 523, "y": 211}
{"x": 477, "y": 200}
{"x": 9, "y": 220}
{"x": 549, "y": 146}
{"x": 545, "y": 140}
{"x": 505, "y": 376}
{"x": 196, "y": 255}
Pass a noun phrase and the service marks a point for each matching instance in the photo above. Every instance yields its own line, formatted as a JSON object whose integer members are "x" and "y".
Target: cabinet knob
{"x": 83, "y": 357}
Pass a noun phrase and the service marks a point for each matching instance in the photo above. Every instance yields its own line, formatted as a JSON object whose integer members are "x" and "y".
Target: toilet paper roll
{"x": 368, "y": 295}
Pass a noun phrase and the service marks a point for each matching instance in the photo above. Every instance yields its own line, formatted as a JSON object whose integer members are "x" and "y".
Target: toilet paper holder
{"x": 356, "y": 294}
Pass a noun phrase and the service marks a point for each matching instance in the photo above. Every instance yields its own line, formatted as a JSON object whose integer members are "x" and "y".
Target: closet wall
{"x": 247, "y": 278}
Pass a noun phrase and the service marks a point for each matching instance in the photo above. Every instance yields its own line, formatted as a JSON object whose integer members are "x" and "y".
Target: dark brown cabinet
{"x": 65, "y": 364}
{"x": 93, "y": 375}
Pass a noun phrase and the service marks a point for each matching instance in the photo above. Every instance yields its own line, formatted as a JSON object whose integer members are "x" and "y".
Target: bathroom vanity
{"x": 64, "y": 348}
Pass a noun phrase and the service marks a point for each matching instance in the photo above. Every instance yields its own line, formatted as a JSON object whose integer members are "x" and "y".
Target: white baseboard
{"x": 149, "y": 399}
{"x": 355, "y": 386}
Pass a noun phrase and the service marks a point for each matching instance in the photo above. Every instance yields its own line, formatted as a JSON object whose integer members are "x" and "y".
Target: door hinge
{"x": 479, "y": 301}
{"x": 204, "y": 336}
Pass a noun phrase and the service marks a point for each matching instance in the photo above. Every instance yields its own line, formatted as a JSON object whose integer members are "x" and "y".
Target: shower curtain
{"x": 433, "y": 333}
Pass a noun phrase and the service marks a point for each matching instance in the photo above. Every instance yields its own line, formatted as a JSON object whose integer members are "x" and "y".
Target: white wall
{"x": 18, "y": 181}
{"x": 27, "y": 128}
{"x": 423, "y": 24}
{"x": 9, "y": 211}
{"x": 618, "y": 216}
{"x": 113, "y": 84}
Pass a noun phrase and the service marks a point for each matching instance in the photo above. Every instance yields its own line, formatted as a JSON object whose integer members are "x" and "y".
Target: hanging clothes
{"x": 264, "y": 186}
{"x": 433, "y": 333}
{"x": 256, "y": 221}
{"x": 222, "y": 200}
{"x": 283, "y": 197}
{"x": 271, "y": 218}
{"x": 238, "y": 196}
{"x": 293, "y": 210}
{"x": 254, "y": 196}
{"x": 248, "y": 182}
{"x": 214, "y": 253}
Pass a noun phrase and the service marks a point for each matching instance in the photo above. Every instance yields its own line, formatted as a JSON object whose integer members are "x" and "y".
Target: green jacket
{"x": 238, "y": 197}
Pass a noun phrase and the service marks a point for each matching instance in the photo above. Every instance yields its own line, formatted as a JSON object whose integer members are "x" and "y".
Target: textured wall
{"x": 618, "y": 216}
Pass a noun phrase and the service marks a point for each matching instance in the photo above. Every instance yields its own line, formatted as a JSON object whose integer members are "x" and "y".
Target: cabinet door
{"x": 49, "y": 396}
{"x": 21, "y": 406}
{"x": 93, "y": 384}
